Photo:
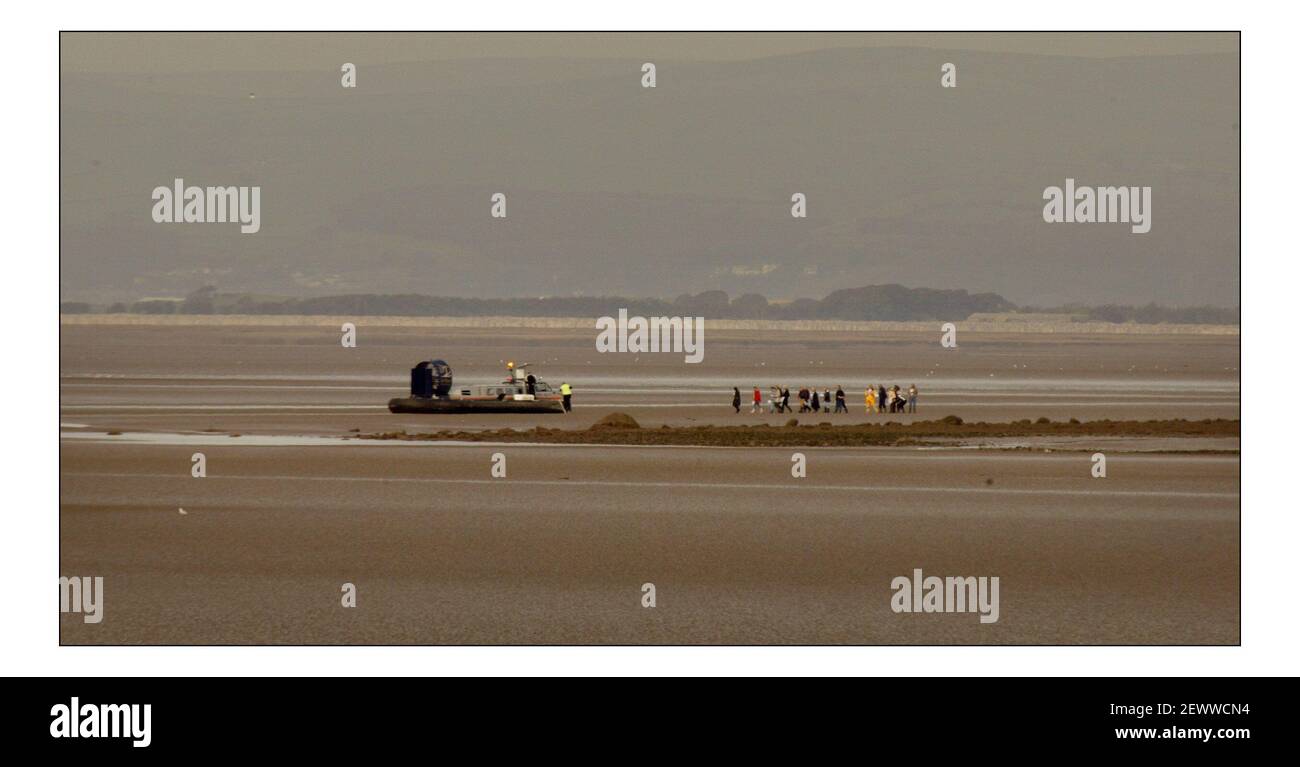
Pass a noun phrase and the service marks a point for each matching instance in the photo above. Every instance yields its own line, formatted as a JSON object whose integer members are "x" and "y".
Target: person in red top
{"x": 758, "y": 401}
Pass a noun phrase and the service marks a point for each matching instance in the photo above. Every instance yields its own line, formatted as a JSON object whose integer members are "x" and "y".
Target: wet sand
{"x": 272, "y": 379}
{"x": 556, "y": 552}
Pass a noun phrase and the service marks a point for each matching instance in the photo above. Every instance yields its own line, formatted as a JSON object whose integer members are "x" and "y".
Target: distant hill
{"x": 874, "y": 302}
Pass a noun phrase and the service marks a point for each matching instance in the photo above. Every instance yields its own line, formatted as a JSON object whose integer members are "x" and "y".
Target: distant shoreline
{"x": 584, "y": 323}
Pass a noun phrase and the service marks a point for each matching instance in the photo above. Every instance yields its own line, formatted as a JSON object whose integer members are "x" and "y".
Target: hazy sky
{"x": 179, "y": 52}
{"x": 619, "y": 189}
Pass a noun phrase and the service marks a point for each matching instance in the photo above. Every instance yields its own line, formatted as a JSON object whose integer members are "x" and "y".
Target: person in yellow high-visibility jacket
{"x": 870, "y": 398}
{"x": 567, "y": 392}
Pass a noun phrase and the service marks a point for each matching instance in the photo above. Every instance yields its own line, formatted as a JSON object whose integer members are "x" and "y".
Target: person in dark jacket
{"x": 840, "y": 406}
{"x": 882, "y": 397}
{"x": 735, "y": 399}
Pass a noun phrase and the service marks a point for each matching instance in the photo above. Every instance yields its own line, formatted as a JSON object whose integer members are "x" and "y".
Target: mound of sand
{"x": 616, "y": 421}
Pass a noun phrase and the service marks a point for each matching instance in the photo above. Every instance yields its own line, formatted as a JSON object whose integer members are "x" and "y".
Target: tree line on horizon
{"x": 874, "y": 302}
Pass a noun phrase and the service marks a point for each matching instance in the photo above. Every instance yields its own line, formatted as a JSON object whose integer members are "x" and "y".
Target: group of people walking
{"x": 890, "y": 400}
{"x": 812, "y": 401}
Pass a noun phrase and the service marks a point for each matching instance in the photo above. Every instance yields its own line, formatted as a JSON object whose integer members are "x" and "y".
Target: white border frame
{"x": 28, "y": 540}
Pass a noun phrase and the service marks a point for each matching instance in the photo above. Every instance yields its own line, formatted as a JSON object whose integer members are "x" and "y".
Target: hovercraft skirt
{"x": 450, "y": 405}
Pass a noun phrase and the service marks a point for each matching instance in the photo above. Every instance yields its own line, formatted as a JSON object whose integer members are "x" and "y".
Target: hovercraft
{"x": 433, "y": 391}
